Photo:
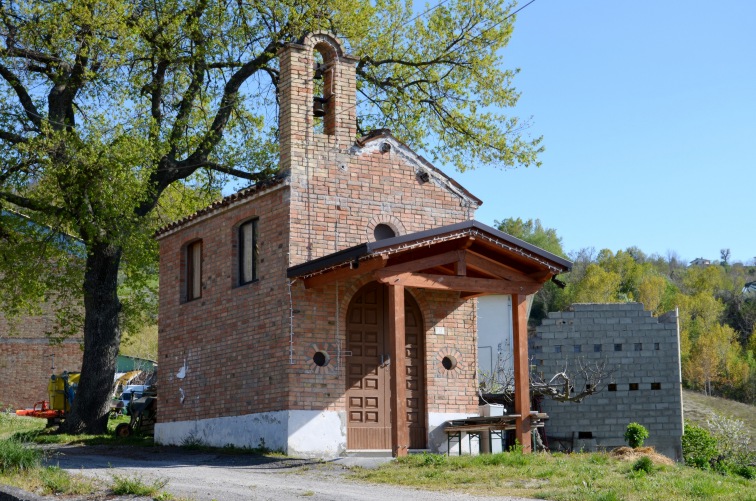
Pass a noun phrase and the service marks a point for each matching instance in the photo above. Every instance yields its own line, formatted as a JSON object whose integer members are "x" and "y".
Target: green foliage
{"x": 699, "y": 446}
{"x": 124, "y": 485}
{"x": 119, "y": 118}
{"x": 635, "y": 434}
{"x": 644, "y": 464}
{"x": 17, "y": 456}
{"x": 533, "y": 232}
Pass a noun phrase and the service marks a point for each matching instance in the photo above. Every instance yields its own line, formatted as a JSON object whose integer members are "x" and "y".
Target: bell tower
{"x": 311, "y": 91}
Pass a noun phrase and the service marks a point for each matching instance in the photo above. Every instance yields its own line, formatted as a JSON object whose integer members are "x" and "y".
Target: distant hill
{"x": 697, "y": 408}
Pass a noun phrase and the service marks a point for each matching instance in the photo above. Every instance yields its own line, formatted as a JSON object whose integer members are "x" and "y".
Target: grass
{"x": 697, "y": 408}
{"x": 596, "y": 476}
{"x": 124, "y": 485}
{"x": 33, "y": 430}
{"x": 21, "y": 464}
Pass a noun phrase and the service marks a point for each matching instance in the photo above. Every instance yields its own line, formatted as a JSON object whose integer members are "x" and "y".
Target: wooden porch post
{"x": 399, "y": 427}
{"x": 521, "y": 369}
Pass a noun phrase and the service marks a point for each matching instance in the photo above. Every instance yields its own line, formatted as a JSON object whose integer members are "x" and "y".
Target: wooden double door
{"x": 368, "y": 393}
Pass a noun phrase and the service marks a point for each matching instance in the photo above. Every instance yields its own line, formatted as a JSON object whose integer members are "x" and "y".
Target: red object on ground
{"x": 40, "y": 410}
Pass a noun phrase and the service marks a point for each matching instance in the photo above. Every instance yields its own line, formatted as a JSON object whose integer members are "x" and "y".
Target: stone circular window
{"x": 449, "y": 362}
{"x": 383, "y": 231}
{"x": 321, "y": 358}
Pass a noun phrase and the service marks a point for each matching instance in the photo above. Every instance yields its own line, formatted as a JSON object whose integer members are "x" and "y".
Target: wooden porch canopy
{"x": 467, "y": 258}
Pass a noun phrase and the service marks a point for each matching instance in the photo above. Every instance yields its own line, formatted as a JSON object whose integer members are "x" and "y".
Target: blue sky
{"x": 648, "y": 112}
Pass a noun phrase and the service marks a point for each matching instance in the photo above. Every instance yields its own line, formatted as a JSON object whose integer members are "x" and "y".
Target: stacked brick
{"x": 643, "y": 351}
{"x": 27, "y": 358}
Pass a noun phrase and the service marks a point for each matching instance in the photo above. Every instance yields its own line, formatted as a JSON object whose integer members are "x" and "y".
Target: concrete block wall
{"x": 645, "y": 387}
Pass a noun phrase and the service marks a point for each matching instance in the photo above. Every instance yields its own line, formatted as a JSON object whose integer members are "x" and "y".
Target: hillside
{"x": 697, "y": 408}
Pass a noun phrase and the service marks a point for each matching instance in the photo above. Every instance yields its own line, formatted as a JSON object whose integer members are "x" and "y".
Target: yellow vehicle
{"x": 61, "y": 391}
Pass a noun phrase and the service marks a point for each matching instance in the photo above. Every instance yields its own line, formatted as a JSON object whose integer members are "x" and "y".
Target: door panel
{"x": 368, "y": 372}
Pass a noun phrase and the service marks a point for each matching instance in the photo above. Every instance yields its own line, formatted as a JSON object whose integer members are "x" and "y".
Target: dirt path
{"x": 201, "y": 476}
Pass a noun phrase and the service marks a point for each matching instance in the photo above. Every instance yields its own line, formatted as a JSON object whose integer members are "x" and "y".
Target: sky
{"x": 648, "y": 113}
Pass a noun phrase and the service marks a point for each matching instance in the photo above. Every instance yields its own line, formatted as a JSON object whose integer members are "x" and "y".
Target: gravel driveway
{"x": 207, "y": 476}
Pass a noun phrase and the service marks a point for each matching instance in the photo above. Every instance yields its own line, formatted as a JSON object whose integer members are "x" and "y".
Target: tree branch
{"x": 28, "y": 203}
{"x": 23, "y": 96}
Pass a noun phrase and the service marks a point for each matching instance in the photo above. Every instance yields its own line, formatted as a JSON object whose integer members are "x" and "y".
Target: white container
{"x": 489, "y": 410}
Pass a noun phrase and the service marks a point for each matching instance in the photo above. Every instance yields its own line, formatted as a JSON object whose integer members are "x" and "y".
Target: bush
{"x": 644, "y": 464}
{"x": 733, "y": 441}
{"x": 15, "y": 456}
{"x": 699, "y": 447}
{"x": 635, "y": 434}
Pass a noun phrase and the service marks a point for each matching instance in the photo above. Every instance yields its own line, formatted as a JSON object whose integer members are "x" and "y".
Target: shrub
{"x": 733, "y": 441}
{"x": 635, "y": 434}
{"x": 15, "y": 456}
{"x": 644, "y": 464}
{"x": 699, "y": 447}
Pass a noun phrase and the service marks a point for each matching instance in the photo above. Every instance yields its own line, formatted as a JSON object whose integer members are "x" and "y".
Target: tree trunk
{"x": 102, "y": 337}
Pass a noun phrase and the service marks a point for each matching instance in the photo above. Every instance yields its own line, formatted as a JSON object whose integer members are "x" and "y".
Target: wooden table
{"x": 484, "y": 429}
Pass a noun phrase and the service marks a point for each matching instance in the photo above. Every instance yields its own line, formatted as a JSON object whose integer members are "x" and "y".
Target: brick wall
{"x": 245, "y": 350}
{"x": 319, "y": 325}
{"x": 26, "y": 359}
{"x": 231, "y": 345}
{"x": 643, "y": 350}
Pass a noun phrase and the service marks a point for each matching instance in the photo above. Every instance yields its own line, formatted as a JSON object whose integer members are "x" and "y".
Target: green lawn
{"x": 596, "y": 476}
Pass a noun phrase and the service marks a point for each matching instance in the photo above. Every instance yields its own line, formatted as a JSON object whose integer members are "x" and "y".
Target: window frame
{"x": 242, "y": 278}
{"x": 193, "y": 276}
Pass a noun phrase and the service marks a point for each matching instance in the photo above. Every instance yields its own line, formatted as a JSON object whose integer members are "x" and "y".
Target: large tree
{"x": 109, "y": 106}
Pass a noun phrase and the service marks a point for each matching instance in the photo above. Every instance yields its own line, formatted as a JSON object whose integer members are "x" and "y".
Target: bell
{"x": 319, "y": 70}
{"x": 318, "y": 107}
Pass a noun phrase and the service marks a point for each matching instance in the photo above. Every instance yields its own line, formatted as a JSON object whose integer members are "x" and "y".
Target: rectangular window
{"x": 576, "y": 348}
{"x": 612, "y": 387}
{"x": 656, "y": 346}
{"x": 618, "y": 347}
{"x": 656, "y": 386}
{"x": 638, "y": 346}
{"x": 558, "y": 348}
{"x": 194, "y": 270}
{"x": 248, "y": 252}
{"x": 633, "y": 386}
{"x": 597, "y": 348}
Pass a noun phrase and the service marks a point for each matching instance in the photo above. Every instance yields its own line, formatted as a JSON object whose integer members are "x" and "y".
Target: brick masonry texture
{"x": 248, "y": 349}
{"x": 26, "y": 359}
{"x": 642, "y": 350}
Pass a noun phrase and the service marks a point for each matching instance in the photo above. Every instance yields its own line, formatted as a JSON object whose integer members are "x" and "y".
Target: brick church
{"x": 332, "y": 309}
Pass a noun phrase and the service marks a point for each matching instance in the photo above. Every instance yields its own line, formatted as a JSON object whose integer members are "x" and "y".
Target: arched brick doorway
{"x": 368, "y": 392}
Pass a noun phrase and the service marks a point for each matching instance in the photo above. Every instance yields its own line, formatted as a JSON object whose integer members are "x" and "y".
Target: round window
{"x": 383, "y": 231}
{"x": 449, "y": 362}
{"x": 321, "y": 358}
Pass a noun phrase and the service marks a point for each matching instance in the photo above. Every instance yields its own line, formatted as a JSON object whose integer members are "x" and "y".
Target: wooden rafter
{"x": 345, "y": 272}
{"x": 490, "y": 266}
{"x": 456, "y": 283}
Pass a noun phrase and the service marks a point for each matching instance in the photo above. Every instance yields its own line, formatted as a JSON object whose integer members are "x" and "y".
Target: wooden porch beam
{"x": 397, "y": 346}
{"x": 521, "y": 370}
{"x": 496, "y": 268}
{"x": 454, "y": 283}
{"x": 423, "y": 263}
{"x": 346, "y": 272}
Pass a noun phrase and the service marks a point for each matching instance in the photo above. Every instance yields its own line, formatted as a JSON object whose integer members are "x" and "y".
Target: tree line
{"x": 717, "y": 314}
